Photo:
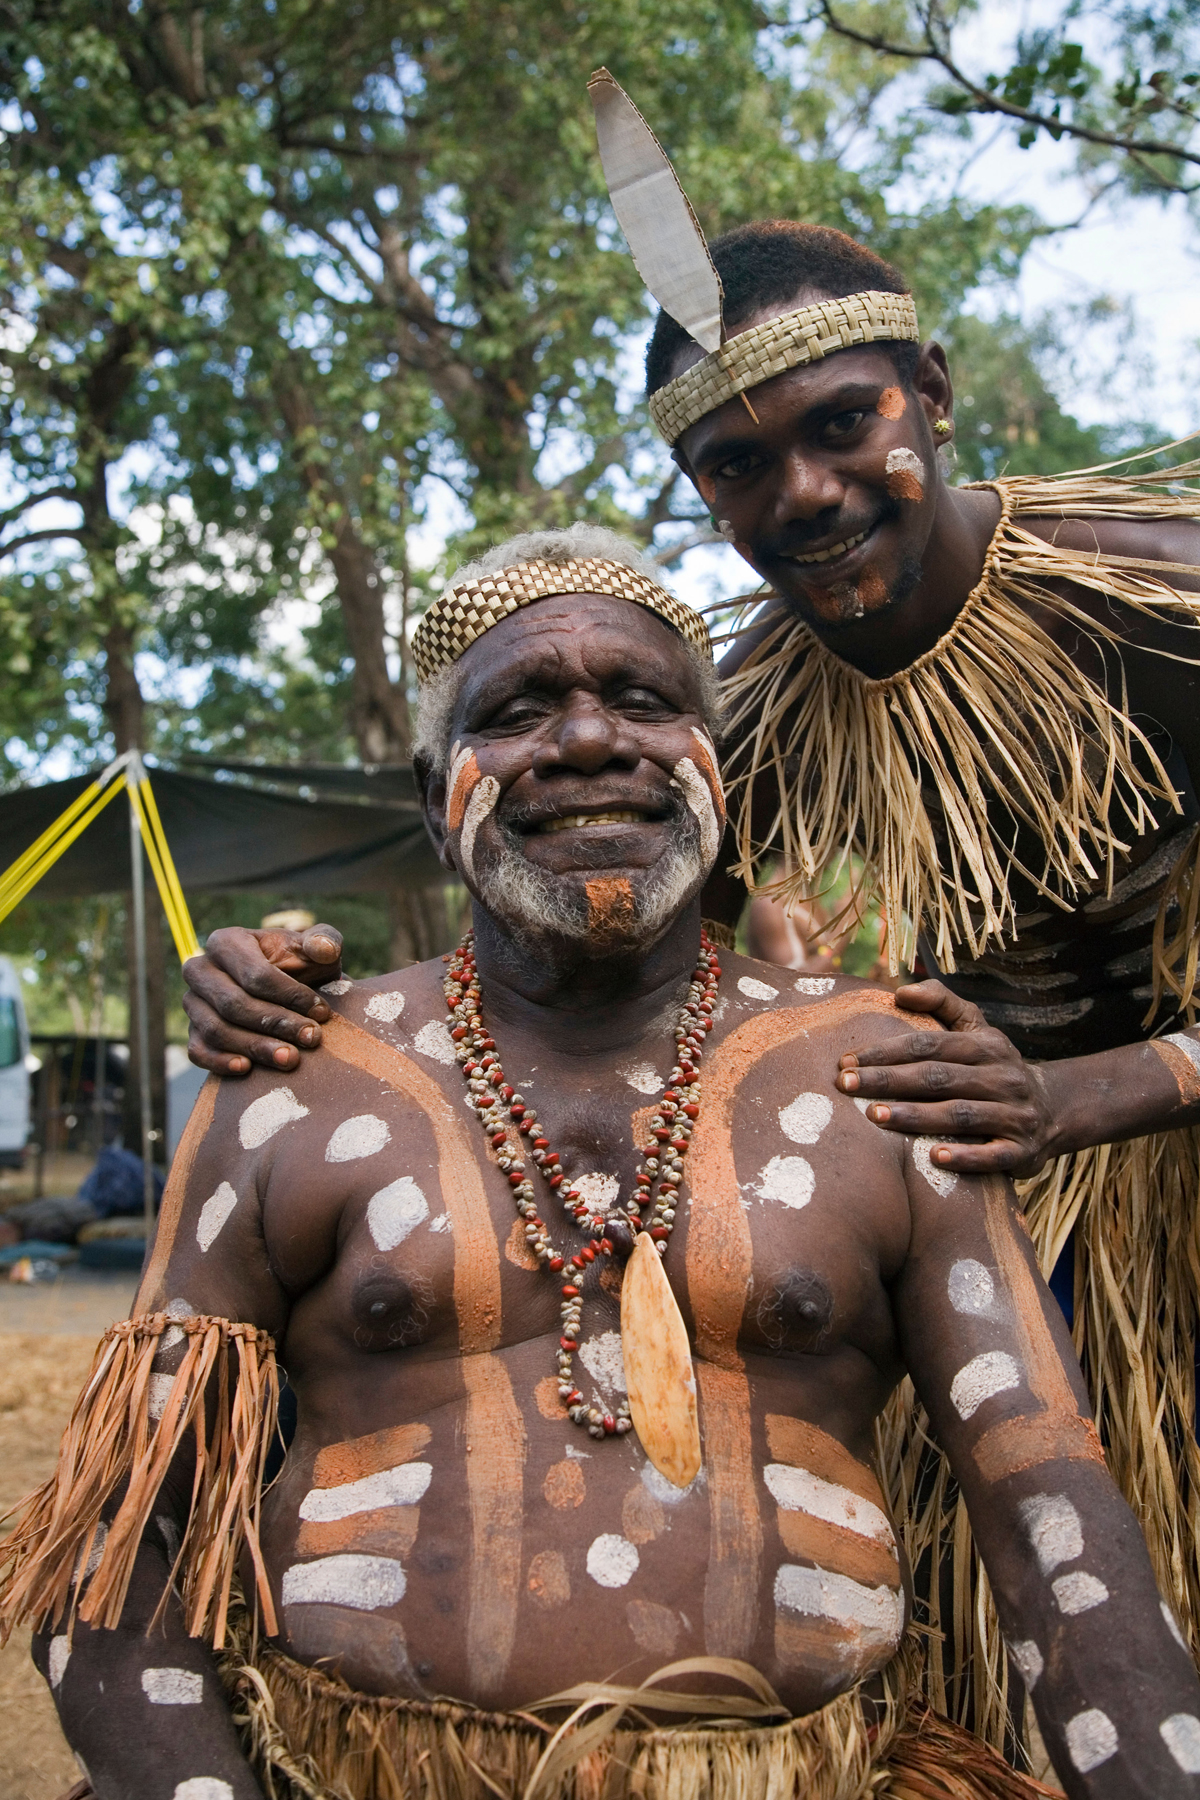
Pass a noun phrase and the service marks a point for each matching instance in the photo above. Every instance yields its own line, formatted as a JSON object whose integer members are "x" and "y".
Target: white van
{"x": 14, "y": 1075}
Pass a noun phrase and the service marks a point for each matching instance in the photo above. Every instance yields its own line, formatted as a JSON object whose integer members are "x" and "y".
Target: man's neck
{"x": 885, "y": 642}
{"x": 576, "y": 1000}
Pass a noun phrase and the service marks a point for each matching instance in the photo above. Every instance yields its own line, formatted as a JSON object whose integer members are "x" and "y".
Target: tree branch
{"x": 38, "y": 537}
{"x": 31, "y": 500}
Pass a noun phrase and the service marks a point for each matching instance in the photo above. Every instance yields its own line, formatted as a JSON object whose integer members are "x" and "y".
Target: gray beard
{"x": 534, "y": 905}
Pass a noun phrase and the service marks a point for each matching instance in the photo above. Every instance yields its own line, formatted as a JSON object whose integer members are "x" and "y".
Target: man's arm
{"x": 142, "y": 1704}
{"x": 1114, "y": 1689}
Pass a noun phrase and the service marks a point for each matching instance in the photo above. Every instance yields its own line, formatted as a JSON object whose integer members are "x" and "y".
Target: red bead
{"x": 556, "y": 1180}
{"x": 515, "y": 1180}
{"x": 507, "y": 1092}
{"x": 678, "y": 1143}
{"x": 588, "y": 1253}
{"x": 579, "y": 1262}
{"x": 555, "y": 1263}
{"x": 570, "y": 1290}
{"x": 662, "y": 1135}
{"x": 518, "y": 1112}
{"x": 610, "y": 1425}
{"x": 458, "y": 1032}
{"x": 541, "y": 1143}
{"x": 569, "y": 1343}
{"x": 605, "y": 1246}
{"x": 498, "y": 1138}
{"x": 659, "y": 1233}
{"x": 574, "y": 1397}
{"x": 488, "y": 1044}
{"x": 692, "y": 1110}
{"x": 571, "y": 1193}
{"x": 525, "y": 1127}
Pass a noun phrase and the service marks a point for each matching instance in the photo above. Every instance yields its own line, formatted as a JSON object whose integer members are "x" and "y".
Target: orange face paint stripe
{"x": 731, "y": 1599}
{"x": 387, "y": 1531}
{"x": 805, "y": 1446}
{"x": 1187, "y": 1078}
{"x": 339, "y": 1463}
{"x": 704, "y": 757}
{"x": 465, "y": 782}
{"x": 151, "y": 1291}
{"x": 830, "y": 1546}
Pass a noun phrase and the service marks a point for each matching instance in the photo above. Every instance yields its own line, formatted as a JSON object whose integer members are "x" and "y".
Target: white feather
{"x": 662, "y": 231}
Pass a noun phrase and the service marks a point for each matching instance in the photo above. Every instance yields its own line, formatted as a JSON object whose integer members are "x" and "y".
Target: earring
{"x": 943, "y": 427}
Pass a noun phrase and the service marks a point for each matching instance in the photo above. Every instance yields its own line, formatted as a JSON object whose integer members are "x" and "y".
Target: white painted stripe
{"x": 995, "y": 1372}
{"x": 404, "y": 1485}
{"x": 1078, "y": 1592}
{"x": 213, "y": 1215}
{"x": 1091, "y": 1740}
{"x": 1054, "y": 1529}
{"x": 354, "y": 1138}
{"x": 60, "y": 1656}
{"x": 267, "y": 1115}
{"x": 362, "y": 1582}
{"x": 94, "y": 1555}
{"x": 395, "y": 1211}
{"x": 757, "y": 990}
{"x": 1183, "y": 1040}
{"x": 172, "y": 1687}
{"x": 814, "y": 984}
{"x": 942, "y": 1181}
{"x": 877, "y": 1612}
{"x": 796, "y": 1490}
{"x": 1181, "y": 1734}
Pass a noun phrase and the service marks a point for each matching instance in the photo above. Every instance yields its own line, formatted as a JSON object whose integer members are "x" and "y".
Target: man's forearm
{"x": 146, "y": 1714}
{"x": 1122, "y": 1093}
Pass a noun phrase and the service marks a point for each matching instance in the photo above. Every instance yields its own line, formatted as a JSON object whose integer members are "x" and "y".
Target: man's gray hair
{"x": 435, "y": 700}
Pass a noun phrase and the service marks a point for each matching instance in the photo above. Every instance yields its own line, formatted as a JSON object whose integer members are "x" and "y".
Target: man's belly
{"x": 486, "y": 1550}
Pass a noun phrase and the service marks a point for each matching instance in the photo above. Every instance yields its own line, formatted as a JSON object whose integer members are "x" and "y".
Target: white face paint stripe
{"x": 1054, "y": 1529}
{"x": 484, "y": 796}
{"x": 598, "y": 1189}
{"x": 404, "y": 1485}
{"x": 698, "y": 795}
{"x": 1181, "y": 1734}
{"x": 971, "y": 1289}
{"x": 355, "y": 1138}
{"x": 213, "y": 1217}
{"x": 905, "y": 459}
{"x": 364, "y": 1583}
{"x": 172, "y": 1687}
{"x": 643, "y": 1078}
{"x": 788, "y": 1179}
{"x": 612, "y": 1561}
{"x": 395, "y": 1211}
{"x": 1078, "y": 1592}
{"x": 1091, "y": 1740}
{"x": 60, "y": 1656}
{"x": 995, "y": 1372}
{"x": 796, "y": 1490}
{"x": 1028, "y": 1661}
{"x": 818, "y": 1593}
{"x": 267, "y": 1115}
{"x": 385, "y": 1007}
{"x": 805, "y": 1118}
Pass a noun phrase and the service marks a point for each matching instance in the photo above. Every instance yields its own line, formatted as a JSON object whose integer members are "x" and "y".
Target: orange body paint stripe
{"x": 170, "y": 1211}
{"x": 387, "y": 1531}
{"x": 833, "y": 1547}
{"x": 805, "y": 1446}
{"x": 731, "y": 1599}
{"x": 818, "y": 1646}
{"x": 1187, "y": 1077}
{"x": 339, "y": 1463}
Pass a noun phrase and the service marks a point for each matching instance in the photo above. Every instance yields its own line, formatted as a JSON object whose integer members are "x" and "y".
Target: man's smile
{"x": 586, "y": 821}
{"x": 839, "y": 549}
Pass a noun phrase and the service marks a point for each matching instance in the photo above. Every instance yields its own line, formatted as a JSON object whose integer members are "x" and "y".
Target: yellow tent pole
{"x": 13, "y": 892}
{"x": 84, "y": 800}
{"x": 186, "y": 942}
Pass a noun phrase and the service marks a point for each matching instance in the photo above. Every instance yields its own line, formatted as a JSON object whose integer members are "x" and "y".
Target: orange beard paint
{"x": 871, "y": 591}
{"x": 890, "y": 404}
{"x": 610, "y": 903}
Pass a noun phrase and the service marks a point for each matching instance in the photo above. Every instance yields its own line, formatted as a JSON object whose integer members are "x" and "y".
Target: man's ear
{"x": 431, "y": 788}
{"x": 932, "y": 383}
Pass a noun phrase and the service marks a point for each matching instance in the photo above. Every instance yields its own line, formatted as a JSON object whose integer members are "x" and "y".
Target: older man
{"x": 509, "y": 1478}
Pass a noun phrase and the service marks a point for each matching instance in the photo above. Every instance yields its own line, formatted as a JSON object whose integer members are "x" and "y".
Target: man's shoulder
{"x": 1174, "y": 540}
{"x": 750, "y": 988}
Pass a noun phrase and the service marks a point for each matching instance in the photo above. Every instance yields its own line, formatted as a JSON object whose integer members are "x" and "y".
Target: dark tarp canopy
{"x": 264, "y": 828}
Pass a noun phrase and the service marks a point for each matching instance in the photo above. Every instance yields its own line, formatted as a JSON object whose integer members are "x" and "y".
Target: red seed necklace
{"x": 659, "y": 1174}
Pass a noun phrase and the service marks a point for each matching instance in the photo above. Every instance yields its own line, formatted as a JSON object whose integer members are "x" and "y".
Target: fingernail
{"x": 238, "y": 1065}
{"x": 308, "y": 1035}
{"x": 880, "y": 1114}
{"x": 282, "y": 1056}
{"x": 942, "y": 1156}
{"x": 320, "y": 1012}
{"x": 848, "y": 1082}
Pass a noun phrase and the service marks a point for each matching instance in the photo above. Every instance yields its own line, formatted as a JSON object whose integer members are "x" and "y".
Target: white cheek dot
{"x": 1091, "y": 1740}
{"x": 354, "y": 1138}
{"x": 814, "y": 984}
{"x": 203, "y": 1787}
{"x": 405, "y": 1485}
{"x": 1054, "y": 1529}
{"x": 395, "y": 1211}
{"x": 905, "y": 459}
{"x": 788, "y": 1179}
{"x": 995, "y": 1372}
{"x": 434, "y": 1041}
{"x": 1172, "y": 1624}
{"x": 602, "y": 1357}
{"x": 267, "y": 1115}
{"x": 385, "y": 1007}
{"x": 364, "y": 1583}
{"x": 756, "y": 990}
{"x": 1027, "y": 1660}
{"x": 612, "y": 1561}
{"x": 805, "y": 1118}
{"x": 971, "y": 1289}
{"x": 1181, "y": 1734}
{"x": 60, "y": 1656}
{"x": 214, "y": 1215}
{"x": 172, "y": 1687}
{"x": 942, "y": 1181}
{"x": 1078, "y": 1593}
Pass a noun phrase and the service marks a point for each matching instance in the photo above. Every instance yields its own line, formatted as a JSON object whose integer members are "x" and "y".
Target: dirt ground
{"x": 47, "y": 1337}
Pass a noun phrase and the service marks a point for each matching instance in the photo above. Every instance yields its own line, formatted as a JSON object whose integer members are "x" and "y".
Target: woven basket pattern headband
{"x": 765, "y": 350}
{"x": 464, "y": 612}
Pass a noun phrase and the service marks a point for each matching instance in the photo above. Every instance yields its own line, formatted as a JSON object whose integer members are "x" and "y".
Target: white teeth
{"x": 820, "y": 556}
{"x": 576, "y": 821}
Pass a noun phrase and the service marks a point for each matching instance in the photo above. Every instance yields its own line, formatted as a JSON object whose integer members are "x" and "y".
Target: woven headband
{"x": 464, "y": 612}
{"x": 765, "y": 350}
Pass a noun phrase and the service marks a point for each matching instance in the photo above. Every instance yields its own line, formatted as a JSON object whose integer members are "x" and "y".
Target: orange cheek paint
{"x": 905, "y": 475}
{"x": 464, "y": 778}
{"x": 890, "y": 404}
{"x": 610, "y": 904}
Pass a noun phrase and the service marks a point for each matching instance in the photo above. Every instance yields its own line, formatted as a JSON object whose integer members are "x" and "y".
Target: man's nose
{"x": 589, "y": 738}
{"x": 807, "y": 488}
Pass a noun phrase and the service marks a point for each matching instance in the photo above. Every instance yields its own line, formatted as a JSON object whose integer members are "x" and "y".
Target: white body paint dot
{"x": 405, "y": 1485}
{"x": 434, "y": 1041}
{"x": 172, "y": 1687}
{"x": 643, "y": 1078}
{"x": 1078, "y": 1592}
{"x": 60, "y": 1656}
{"x": 612, "y": 1561}
{"x": 805, "y": 1118}
{"x": 796, "y": 1490}
{"x": 267, "y": 1115}
{"x": 756, "y": 990}
{"x": 602, "y": 1358}
{"x": 813, "y": 984}
{"x": 992, "y": 1373}
{"x": 1181, "y": 1734}
{"x": 942, "y": 1181}
{"x": 1028, "y": 1661}
{"x": 203, "y": 1787}
{"x": 878, "y": 1612}
{"x": 395, "y": 1211}
{"x": 364, "y": 1583}
{"x": 338, "y": 988}
{"x": 385, "y": 1007}
{"x": 214, "y": 1215}
{"x": 1091, "y": 1739}
{"x": 158, "y": 1392}
{"x": 788, "y": 1179}
{"x": 355, "y": 1138}
{"x": 600, "y": 1191}
{"x": 1054, "y": 1529}
{"x": 971, "y": 1289}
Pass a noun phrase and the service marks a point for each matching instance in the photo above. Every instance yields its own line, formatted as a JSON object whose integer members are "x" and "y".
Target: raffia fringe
{"x": 224, "y": 1399}
{"x": 310, "y": 1738}
{"x": 1135, "y": 1210}
{"x": 996, "y": 708}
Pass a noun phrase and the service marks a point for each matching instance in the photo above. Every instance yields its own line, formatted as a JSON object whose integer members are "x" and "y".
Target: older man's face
{"x": 582, "y": 797}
